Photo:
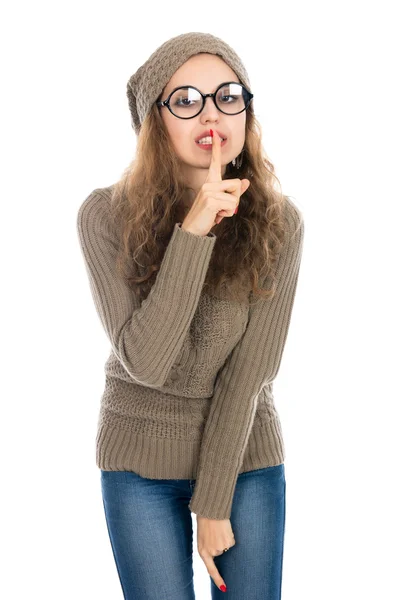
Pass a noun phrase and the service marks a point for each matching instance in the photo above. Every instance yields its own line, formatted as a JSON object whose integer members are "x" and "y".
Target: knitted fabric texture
{"x": 189, "y": 380}
{"x": 147, "y": 83}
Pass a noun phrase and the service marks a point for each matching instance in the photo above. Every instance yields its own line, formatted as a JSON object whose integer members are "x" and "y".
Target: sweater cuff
{"x": 210, "y": 500}
{"x": 210, "y": 234}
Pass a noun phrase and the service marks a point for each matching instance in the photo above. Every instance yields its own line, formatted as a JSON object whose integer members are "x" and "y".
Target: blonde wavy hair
{"x": 149, "y": 199}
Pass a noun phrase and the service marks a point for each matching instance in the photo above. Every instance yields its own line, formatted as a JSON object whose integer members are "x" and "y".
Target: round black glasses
{"x": 186, "y": 102}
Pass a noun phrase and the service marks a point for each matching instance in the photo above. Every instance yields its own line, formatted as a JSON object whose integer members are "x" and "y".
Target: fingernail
{"x": 211, "y": 133}
{"x": 222, "y": 587}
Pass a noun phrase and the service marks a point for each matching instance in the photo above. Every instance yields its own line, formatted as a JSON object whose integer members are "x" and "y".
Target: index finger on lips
{"x": 214, "y": 170}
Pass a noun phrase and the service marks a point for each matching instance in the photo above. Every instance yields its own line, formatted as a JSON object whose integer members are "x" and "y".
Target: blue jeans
{"x": 150, "y": 530}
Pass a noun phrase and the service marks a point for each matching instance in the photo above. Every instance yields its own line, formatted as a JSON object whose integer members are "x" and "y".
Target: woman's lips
{"x": 209, "y": 146}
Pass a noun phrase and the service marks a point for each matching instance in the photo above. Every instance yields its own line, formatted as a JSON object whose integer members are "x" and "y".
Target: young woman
{"x": 193, "y": 259}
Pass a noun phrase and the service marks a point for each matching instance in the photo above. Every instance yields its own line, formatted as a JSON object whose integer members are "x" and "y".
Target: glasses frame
{"x": 166, "y": 102}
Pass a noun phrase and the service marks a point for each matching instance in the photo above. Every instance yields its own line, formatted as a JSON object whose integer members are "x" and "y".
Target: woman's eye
{"x": 234, "y": 99}
{"x": 185, "y": 102}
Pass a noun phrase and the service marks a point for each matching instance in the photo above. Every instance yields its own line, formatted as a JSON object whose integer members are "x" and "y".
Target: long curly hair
{"x": 149, "y": 199}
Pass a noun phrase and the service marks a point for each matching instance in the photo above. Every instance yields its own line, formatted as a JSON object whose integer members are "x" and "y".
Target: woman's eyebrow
{"x": 195, "y": 86}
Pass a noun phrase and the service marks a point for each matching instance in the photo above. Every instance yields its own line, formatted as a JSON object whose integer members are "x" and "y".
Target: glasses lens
{"x": 231, "y": 98}
{"x": 187, "y": 102}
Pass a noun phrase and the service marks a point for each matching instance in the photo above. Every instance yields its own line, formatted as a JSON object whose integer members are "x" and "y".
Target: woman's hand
{"x": 213, "y": 536}
{"x": 217, "y": 198}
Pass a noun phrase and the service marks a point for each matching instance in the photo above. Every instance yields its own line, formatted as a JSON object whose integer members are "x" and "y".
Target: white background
{"x": 324, "y": 77}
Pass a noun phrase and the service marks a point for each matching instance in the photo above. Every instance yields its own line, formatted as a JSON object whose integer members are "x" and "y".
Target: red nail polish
{"x": 222, "y": 587}
{"x": 211, "y": 133}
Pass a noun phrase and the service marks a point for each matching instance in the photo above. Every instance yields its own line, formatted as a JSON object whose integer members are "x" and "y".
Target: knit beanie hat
{"x": 147, "y": 83}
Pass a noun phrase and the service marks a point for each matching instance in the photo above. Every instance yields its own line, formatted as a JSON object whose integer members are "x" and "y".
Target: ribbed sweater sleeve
{"x": 253, "y": 363}
{"x": 146, "y": 338}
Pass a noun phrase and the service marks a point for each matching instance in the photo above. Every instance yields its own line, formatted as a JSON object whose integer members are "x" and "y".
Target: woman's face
{"x": 205, "y": 72}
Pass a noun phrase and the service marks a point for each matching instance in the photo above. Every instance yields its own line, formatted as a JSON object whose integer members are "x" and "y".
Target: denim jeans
{"x": 150, "y": 529}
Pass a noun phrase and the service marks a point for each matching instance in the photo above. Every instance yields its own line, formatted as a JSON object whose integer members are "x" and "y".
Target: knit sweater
{"x": 189, "y": 379}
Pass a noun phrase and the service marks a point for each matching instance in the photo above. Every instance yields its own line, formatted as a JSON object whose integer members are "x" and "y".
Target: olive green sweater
{"x": 189, "y": 380}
